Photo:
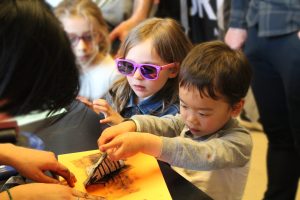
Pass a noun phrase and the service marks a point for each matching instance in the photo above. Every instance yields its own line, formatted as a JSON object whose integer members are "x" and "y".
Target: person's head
{"x": 37, "y": 65}
{"x": 86, "y": 28}
{"x": 157, "y": 42}
{"x": 213, "y": 82}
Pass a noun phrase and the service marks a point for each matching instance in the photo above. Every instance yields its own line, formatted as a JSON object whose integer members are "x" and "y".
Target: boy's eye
{"x": 203, "y": 114}
{"x": 183, "y": 106}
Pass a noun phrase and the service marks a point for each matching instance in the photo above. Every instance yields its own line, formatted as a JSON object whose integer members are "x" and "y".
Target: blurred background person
{"x": 88, "y": 33}
{"x": 269, "y": 31}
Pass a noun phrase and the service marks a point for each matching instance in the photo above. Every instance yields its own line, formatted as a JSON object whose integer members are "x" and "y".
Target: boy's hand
{"x": 121, "y": 142}
{"x": 124, "y": 145}
{"x": 111, "y": 132}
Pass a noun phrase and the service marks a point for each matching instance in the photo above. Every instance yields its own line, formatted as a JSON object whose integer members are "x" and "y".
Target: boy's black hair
{"x": 37, "y": 65}
{"x": 216, "y": 71}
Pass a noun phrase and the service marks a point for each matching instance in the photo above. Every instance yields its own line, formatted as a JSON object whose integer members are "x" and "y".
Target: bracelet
{"x": 9, "y": 194}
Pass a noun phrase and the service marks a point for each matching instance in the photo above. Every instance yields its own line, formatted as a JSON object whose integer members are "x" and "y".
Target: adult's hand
{"x": 140, "y": 12}
{"x": 121, "y": 31}
{"x": 33, "y": 163}
{"x": 235, "y": 38}
{"x": 38, "y": 191}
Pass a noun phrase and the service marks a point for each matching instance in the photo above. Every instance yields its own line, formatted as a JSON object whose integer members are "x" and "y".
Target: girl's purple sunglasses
{"x": 148, "y": 71}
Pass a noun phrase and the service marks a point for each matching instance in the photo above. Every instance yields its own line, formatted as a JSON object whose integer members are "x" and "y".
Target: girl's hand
{"x": 235, "y": 38}
{"x": 111, "y": 116}
{"x": 38, "y": 191}
{"x": 101, "y": 106}
{"x": 85, "y": 101}
{"x": 33, "y": 163}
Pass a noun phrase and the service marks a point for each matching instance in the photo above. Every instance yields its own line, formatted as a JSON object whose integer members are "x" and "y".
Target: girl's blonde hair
{"x": 90, "y": 11}
{"x": 171, "y": 45}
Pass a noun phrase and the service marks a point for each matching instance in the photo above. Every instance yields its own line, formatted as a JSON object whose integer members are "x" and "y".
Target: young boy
{"x": 204, "y": 143}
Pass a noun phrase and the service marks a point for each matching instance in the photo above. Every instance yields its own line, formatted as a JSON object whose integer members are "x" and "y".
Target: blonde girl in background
{"x": 88, "y": 33}
{"x": 149, "y": 60}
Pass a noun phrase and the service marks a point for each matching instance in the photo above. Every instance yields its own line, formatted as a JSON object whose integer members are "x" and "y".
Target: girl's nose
{"x": 137, "y": 74}
{"x": 81, "y": 45}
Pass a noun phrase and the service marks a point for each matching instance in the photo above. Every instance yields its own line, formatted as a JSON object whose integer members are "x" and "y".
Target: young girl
{"x": 149, "y": 59}
{"x": 88, "y": 34}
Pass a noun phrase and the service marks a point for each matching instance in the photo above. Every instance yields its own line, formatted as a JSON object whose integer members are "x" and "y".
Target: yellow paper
{"x": 140, "y": 179}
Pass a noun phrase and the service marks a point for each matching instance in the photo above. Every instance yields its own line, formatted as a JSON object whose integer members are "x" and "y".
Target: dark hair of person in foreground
{"x": 37, "y": 65}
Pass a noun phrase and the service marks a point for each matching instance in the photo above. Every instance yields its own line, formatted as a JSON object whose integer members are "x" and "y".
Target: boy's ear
{"x": 174, "y": 71}
{"x": 237, "y": 108}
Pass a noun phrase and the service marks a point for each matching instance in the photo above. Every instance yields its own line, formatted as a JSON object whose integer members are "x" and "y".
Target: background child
{"x": 205, "y": 142}
{"x": 149, "y": 60}
{"x": 83, "y": 22}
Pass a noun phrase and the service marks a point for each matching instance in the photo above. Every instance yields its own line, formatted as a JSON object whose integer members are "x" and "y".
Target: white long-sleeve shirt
{"x": 95, "y": 82}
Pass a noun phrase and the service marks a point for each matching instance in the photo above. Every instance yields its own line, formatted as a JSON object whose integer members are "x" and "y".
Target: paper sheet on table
{"x": 140, "y": 179}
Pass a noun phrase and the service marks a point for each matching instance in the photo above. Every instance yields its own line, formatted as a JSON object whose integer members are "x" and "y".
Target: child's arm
{"x": 230, "y": 150}
{"x": 168, "y": 125}
{"x": 233, "y": 149}
{"x": 122, "y": 141}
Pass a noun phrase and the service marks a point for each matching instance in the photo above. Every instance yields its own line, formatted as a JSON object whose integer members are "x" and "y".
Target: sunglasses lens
{"x": 73, "y": 39}
{"x": 149, "y": 72}
{"x": 87, "y": 38}
{"x": 125, "y": 67}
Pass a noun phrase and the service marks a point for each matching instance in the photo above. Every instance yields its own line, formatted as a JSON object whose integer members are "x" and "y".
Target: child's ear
{"x": 237, "y": 108}
{"x": 174, "y": 71}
